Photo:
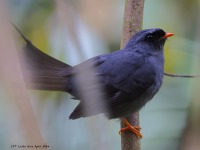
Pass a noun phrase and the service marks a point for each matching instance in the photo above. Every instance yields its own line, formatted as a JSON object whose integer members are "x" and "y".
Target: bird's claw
{"x": 134, "y": 129}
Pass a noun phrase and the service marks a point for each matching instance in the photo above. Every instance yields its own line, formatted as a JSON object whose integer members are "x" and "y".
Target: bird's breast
{"x": 157, "y": 66}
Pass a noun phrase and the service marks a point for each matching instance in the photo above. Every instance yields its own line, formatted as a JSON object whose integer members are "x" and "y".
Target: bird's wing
{"x": 130, "y": 74}
{"x": 120, "y": 79}
{"x": 136, "y": 81}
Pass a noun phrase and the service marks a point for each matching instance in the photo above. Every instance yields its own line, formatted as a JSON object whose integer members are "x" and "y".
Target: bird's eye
{"x": 149, "y": 37}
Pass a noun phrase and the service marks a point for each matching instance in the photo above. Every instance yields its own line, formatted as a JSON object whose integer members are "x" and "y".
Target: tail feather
{"x": 45, "y": 72}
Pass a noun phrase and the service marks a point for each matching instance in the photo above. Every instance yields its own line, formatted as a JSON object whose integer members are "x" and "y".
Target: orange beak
{"x": 168, "y": 35}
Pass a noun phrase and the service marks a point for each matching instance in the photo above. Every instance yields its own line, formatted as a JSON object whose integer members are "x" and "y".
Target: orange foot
{"x": 134, "y": 129}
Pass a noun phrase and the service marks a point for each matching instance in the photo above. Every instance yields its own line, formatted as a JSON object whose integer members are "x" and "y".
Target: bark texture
{"x": 133, "y": 18}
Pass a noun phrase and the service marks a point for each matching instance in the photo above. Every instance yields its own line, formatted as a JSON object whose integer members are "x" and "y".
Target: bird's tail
{"x": 41, "y": 71}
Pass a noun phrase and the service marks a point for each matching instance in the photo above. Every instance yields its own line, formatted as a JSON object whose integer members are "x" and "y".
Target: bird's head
{"x": 153, "y": 39}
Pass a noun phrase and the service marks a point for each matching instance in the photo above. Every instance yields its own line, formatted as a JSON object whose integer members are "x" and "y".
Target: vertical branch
{"x": 133, "y": 17}
{"x": 12, "y": 79}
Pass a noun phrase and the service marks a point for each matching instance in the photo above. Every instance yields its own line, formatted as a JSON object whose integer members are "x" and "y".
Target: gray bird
{"x": 129, "y": 77}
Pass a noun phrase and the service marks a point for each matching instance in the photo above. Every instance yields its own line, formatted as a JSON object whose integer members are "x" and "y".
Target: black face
{"x": 155, "y": 35}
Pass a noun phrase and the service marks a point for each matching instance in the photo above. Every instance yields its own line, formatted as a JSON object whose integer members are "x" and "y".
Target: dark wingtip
{"x": 73, "y": 116}
{"x": 77, "y": 112}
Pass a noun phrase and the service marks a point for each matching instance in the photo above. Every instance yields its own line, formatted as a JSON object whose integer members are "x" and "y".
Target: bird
{"x": 129, "y": 77}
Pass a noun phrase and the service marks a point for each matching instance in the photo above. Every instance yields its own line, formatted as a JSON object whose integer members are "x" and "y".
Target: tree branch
{"x": 180, "y": 75}
{"x": 133, "y": 17}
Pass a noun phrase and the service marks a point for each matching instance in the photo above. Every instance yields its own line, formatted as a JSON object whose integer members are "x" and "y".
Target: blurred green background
{"x": 75, "y": 30}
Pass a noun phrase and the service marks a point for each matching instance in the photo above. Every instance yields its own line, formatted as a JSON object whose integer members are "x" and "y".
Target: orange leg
{"x": 134, "y": 129}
